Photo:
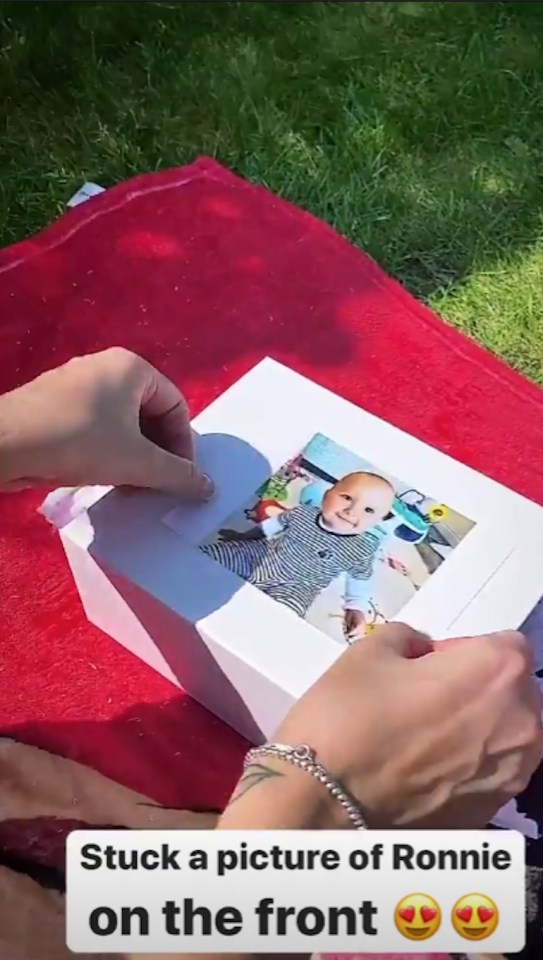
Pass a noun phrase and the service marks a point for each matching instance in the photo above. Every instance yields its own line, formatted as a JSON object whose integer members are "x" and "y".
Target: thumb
{"x": 399, "y": 640}
{"x": 158, "y": 469}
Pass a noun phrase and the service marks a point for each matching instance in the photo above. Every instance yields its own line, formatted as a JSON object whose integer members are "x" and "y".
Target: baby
{"x": 292, "y": 557}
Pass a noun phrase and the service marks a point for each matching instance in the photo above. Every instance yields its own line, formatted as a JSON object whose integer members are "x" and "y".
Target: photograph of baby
{"x": 337, "y": 541}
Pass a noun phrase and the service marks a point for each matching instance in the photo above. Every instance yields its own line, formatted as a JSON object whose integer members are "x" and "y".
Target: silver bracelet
{"x": 305, "y": 758}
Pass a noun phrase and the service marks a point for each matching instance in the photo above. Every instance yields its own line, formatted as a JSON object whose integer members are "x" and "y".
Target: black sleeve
{"x": 534, "y": 920}
{"x": 534, "y": 915}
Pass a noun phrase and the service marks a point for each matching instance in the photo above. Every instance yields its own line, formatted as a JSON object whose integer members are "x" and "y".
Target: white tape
{"x": 87, "y": 191}
{"x": 65, "y": 504}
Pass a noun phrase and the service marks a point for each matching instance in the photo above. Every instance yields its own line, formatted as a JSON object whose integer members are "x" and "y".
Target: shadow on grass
{"x": 413, "y": 128}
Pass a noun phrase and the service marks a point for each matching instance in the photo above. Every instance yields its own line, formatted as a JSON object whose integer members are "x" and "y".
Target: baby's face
{"x": 356, "y": 503}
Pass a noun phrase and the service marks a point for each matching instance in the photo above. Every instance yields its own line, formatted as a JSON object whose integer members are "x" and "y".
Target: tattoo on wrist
{"x": 254, "y": 774}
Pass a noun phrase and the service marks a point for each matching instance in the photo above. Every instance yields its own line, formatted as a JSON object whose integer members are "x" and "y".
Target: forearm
{"x": 12, "y": 437}
{"x": 357, "y": 592}
{"x": 33, "y": 444}
{"x": 275, "y": 796}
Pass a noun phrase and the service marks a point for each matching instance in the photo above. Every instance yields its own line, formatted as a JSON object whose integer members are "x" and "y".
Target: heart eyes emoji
{"x": 417, "y": 917}
{"x": 475, "y": 917}
{"x": 485, "y": 914}
{"x": 427, "y": 914}
{"x": 466, "y": 913}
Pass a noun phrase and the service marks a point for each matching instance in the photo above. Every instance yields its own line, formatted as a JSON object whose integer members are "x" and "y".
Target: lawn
{"x": 416, "y": 129}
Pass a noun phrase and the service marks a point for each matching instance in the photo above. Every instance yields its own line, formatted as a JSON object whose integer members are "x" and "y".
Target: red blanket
{"x": 205, "y": 274}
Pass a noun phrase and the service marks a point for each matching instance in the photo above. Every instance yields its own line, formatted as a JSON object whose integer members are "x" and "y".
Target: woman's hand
{"x": 108, "y": 418}
{"x": 422, "y": 737}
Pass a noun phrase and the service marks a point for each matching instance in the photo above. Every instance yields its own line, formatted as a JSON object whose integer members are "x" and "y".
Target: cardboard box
{"x": 247, "y": 656}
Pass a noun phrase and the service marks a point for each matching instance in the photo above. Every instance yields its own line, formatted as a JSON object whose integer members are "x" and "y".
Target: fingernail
{"x": 208, "y": 487}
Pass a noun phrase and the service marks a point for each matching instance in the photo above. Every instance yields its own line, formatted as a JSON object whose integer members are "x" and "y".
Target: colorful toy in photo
{"x": 413, "y": 514}
{"x": 276, "y": 488}
{"x": 264, "y": 509}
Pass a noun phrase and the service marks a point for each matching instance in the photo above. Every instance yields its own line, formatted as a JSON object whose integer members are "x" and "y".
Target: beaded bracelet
{"x": 305, "y": 758}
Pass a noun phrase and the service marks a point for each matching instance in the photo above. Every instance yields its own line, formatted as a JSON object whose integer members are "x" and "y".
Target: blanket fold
{"x": 42, "y": 798}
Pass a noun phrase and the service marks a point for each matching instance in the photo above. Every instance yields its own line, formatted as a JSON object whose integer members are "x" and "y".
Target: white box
{"x": 143, "y": 579}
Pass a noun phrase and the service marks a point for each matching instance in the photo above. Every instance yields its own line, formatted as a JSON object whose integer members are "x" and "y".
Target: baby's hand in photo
{"x": 254, "y": 533}
{"x": 227, "y": 534}
{"x": 397, "y": 565}
{"x": 355, "y": 624}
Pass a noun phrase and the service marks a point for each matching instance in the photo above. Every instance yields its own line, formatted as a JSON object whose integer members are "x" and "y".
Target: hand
{"x": 398, "y": 566}
{"x": 108, "y": 418}
{"x": 355, "y": 623}
{"x": 253, "y": 533}
{"x": 421, "y": 738}
{"x": 227, "y": 534}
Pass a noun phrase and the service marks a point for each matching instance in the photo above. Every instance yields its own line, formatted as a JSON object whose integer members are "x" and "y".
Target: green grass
{"x": 415, "y": 129}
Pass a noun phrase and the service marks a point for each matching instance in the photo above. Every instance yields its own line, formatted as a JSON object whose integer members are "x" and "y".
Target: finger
{"x": 399, "y": 640}
{"x": 504, "y": 637}
{"x": 449, "y": 643}
{"x": 164, "y": 416}
{"x": 158, "y": 469}
{"x": 512, "y": 641}
{"x": 503, "y": 658}
{"x": 503, "y": 643}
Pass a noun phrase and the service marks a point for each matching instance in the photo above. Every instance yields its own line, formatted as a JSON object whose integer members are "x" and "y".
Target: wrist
{"x": 274, "y": 795}
{"x": 9, "y": 448}
{"x": 29, "y": 445}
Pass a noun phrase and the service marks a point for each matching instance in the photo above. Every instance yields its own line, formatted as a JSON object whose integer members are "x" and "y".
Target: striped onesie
{"x": 303, "y": 559}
